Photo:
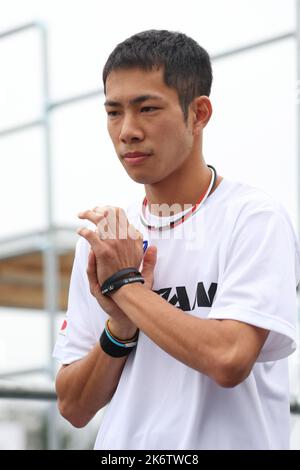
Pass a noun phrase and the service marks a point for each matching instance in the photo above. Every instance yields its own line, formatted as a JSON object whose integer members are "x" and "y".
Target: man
{"x": 196, "y": 356}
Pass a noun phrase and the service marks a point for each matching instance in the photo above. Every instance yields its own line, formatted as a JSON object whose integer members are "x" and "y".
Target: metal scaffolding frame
{"x": 55, "y": 238}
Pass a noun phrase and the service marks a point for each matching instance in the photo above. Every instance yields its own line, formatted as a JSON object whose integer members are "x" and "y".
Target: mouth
{"x": 134, "y": 158}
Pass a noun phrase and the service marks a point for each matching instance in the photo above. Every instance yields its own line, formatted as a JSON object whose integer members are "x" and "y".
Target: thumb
{"x": 149, "y": 261}
{"x": 92, "y": 273}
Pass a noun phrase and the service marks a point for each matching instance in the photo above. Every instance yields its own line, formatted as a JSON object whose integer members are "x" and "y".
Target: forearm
{"x": 87, "y": 385}
{"x": 198, "y": 343}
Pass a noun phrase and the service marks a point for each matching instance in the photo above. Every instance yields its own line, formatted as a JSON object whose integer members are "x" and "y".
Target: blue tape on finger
{"x": 145, "y": 245}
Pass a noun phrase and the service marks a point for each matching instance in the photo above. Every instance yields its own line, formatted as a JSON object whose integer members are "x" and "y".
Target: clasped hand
{"x": 109, "y": 253}
{"x": 116, "y": 243}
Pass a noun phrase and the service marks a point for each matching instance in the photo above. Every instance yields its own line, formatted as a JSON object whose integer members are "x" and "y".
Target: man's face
{"x": 144, "y": 115}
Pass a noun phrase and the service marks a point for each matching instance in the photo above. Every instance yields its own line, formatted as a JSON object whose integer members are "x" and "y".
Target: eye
{"x": 148, "y": 108}
{"x": 112, "y": 114}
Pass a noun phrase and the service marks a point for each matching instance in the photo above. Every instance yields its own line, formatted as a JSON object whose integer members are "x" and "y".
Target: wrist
{"x": 121, "y": 330}
{"x": 122, "y": 292}
{"x": 120, "y": 279}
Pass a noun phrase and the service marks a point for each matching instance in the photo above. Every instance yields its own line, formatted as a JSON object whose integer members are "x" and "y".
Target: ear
{"x": 201, "y": 112}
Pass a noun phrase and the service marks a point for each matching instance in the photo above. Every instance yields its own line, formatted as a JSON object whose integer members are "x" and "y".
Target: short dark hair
{"x": 186, "y": 65}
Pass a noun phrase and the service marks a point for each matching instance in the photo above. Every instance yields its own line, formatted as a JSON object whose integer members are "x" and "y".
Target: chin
{"x": 142, "y": 179}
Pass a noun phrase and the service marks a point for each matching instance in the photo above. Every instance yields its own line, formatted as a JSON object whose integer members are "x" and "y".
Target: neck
{"x": 181, "y": 188}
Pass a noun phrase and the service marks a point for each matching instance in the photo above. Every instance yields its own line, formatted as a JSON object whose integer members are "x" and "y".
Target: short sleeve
{"x": 258, "y": 283}
{"x": 77, "y": 335}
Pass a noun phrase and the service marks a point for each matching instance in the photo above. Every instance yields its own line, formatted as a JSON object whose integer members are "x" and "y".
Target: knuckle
{"x": 107, "y": 208}
{"x": 98, "y": 251}
{"x": 98, "y": 212}
{"x": 106, "y": 253}
{"x": 131, "y": 231}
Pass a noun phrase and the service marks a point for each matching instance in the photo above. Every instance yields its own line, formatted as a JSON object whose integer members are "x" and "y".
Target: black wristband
{"x": 118, "y": 275}
{"x": 113, "y": 349}
{"x": 110, "y": 288}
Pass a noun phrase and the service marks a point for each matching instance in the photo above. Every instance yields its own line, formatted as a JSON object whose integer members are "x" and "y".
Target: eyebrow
{"x": 137, "y": 100}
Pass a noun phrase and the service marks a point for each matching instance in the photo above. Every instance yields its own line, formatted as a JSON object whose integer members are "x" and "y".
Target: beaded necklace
{"x": 189, "y": 213}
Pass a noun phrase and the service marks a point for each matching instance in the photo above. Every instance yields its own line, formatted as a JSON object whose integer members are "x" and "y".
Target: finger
{"x": 92, "y": 238}
{"x": 149, "y": 260}
{"x": 122, "y": 224}
{"x": 92, "y": 216}
{"x": 102, "y": 209}
{"x": 114, "y": 216}
{"x": 110, "y": 229}
{"x": 140, "y": 235}
{"x": 109, "y": 212}
{"x": 134, "y": 233}
{"x": 92, "y": 273}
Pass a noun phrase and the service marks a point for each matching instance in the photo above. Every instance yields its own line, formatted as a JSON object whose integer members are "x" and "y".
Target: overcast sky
{"x": 251, "y": 136}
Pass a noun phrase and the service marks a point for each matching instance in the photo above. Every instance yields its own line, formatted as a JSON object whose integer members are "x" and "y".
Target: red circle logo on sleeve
{"x": 63, "y": 327}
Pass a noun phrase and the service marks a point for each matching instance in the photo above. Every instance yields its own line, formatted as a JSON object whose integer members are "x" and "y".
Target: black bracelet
{"x": 118, "y": 275}
{"x": 110, "y": 288}
{"x": 114, "y": 348}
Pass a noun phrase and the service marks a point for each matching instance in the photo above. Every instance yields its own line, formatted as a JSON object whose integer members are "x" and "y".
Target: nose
{"x": 130, "y": 130}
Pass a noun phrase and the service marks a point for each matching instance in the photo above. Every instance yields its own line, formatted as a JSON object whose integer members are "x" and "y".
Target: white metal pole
{"x": 50, "y": 261}
{"x": 298, "y": 109}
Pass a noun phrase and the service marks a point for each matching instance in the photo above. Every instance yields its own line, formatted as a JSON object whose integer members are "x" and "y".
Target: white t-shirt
{"x": 236, "y": 258}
